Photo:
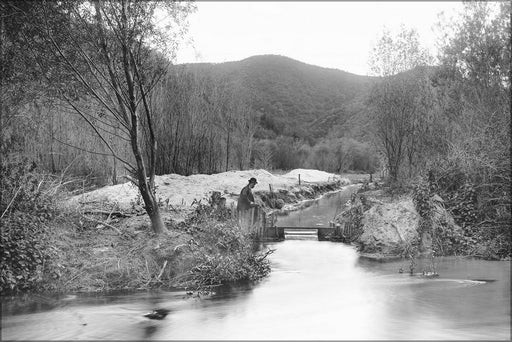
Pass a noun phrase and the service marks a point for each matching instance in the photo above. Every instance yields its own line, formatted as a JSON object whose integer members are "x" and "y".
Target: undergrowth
{"x": 221, "y": 252}
{"x": 45, "y": 247}
{"x": 27, "y": 206}
{"x": 471, "y": 234}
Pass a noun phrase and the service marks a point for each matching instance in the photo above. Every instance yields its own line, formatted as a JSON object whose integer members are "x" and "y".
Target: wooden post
{"x": 280, "y": 233}
{"x": 339, "y": 230}
{"x": 251, "y": 215}
{"x": 262, "y": 226}
{"x": 320, "y": 234}
{"x": 299, "y": 178}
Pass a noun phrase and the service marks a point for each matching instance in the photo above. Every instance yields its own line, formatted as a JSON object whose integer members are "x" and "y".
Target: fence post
{"x": 299, "y": 178}
{"x": 339, "y": 230}
{"x": 320, "y": 234}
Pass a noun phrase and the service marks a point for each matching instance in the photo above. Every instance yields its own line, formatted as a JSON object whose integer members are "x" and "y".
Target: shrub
{"x": 447, "y": 237}
{"x": 286, "y": 155}
{"x": 396, "y": 188}
{"x": 24, "y": 256}
{"x": 26, "y": 205}
{"x": 225, "y": 254}
{"x": 24, "y": 189}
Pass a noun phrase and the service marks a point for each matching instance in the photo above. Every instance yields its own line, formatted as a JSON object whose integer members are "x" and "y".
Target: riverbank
{"x": 102, "y": 240}
{"x": 386, "y": 226}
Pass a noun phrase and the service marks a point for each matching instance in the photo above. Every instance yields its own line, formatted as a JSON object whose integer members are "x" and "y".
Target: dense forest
{"x": 90, "y": 97}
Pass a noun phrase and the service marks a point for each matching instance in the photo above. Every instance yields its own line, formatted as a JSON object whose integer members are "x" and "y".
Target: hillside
{"x": 295, "y": 98}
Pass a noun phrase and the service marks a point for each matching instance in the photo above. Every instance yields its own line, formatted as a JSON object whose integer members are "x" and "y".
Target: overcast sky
{"x": 335, "y": 34}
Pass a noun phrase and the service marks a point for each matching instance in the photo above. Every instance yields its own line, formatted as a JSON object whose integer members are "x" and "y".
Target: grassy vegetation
{"x": 48, "y": 247}
{"x": 194, "y": 255}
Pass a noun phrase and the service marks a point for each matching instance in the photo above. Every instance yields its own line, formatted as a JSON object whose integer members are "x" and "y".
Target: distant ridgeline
{"x": 293, "y": 98}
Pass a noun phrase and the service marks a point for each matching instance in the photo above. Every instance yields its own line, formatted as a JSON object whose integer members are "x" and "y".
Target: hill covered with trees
{"x": 278, "y": 109}
{"x": 294, "y": 98}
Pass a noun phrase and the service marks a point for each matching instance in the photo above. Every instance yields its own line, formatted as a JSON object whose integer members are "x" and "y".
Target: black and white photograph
{"x": 255, "y": 170}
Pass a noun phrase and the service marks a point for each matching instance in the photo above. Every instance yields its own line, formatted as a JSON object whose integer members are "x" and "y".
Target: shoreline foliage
{"x": 50, "y": 249}
{"x": 27, "y": 207}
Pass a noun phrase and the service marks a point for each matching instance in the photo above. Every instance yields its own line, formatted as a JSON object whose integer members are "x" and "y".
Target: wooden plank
{"x": 299, "y": 228}
{"x": 300, "y": 232}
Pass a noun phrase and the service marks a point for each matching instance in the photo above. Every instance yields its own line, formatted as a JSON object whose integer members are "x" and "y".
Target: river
{"x": 317, "y": 290}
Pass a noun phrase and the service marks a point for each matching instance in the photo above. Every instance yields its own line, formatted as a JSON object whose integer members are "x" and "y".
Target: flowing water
{"x": 317, "y": 290}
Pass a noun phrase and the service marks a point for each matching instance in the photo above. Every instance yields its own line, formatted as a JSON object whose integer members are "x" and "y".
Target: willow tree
{"x": 396, "y": 103}
{"x": 117, "y": 52}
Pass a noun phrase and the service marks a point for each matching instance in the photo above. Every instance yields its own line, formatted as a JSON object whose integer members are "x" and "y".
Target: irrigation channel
{"x": 317, "y": 290}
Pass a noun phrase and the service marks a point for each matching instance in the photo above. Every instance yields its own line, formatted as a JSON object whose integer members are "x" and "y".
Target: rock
{"x": 429, "y": 275}
{"x": 389, "y": 227}
{"x": 157, "y": 314}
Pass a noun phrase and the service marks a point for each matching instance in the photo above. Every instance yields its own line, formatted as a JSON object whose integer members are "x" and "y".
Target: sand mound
{"x": 315, "y": 176}
{"x": 180, "y": 191}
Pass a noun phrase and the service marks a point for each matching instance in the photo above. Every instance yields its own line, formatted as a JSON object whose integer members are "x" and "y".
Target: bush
{"x": 396, "y": 188}
{"x": 26, "y": 204}
{"x": 448, "y": 238}
{"x": 286, "y": 155}
{"x": 225, "y": 254}
{"x": 24, "y": 256}
{"x": 23, "y": 189}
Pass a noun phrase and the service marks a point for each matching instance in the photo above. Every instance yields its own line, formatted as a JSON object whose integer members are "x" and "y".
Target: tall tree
{"x": 394, "y": 100}
{"x": 117, "y": 52}
{"x": 245, "y": 128}
{"x": 20, "y": 79}
{"x": 395, "y": 53}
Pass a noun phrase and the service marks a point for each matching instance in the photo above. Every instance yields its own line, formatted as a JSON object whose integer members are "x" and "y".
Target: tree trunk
{"x": 114, "y": 164}
{"x": 152, "y": 209}
{"x": 227, "y": 150}
{"x": 114, "y": 171}
{"x": 146, "y": 191}
{"x": 146, "y": 187}
{"x": 156, "y": 221}
{"x": 426, "y": 243}
{"x": 393, "y": 170}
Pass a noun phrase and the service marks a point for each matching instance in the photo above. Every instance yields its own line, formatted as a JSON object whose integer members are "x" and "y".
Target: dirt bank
{"x": 386, "y": 227}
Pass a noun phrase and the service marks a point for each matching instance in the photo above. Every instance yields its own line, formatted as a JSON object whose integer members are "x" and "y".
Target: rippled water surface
{"x": 317, "y": 290}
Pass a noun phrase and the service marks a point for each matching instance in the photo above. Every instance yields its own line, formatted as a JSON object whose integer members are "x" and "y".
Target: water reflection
{"x": 320, "y": 212}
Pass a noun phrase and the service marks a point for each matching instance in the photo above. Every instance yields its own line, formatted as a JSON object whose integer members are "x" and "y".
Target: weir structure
{"x": 263, "y": 226}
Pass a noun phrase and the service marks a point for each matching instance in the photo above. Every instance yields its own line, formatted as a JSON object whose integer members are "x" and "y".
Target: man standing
{"x": 246, "y": 198}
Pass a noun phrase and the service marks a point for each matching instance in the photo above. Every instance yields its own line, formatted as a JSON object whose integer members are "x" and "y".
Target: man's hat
{"x": 253, "y": 180}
